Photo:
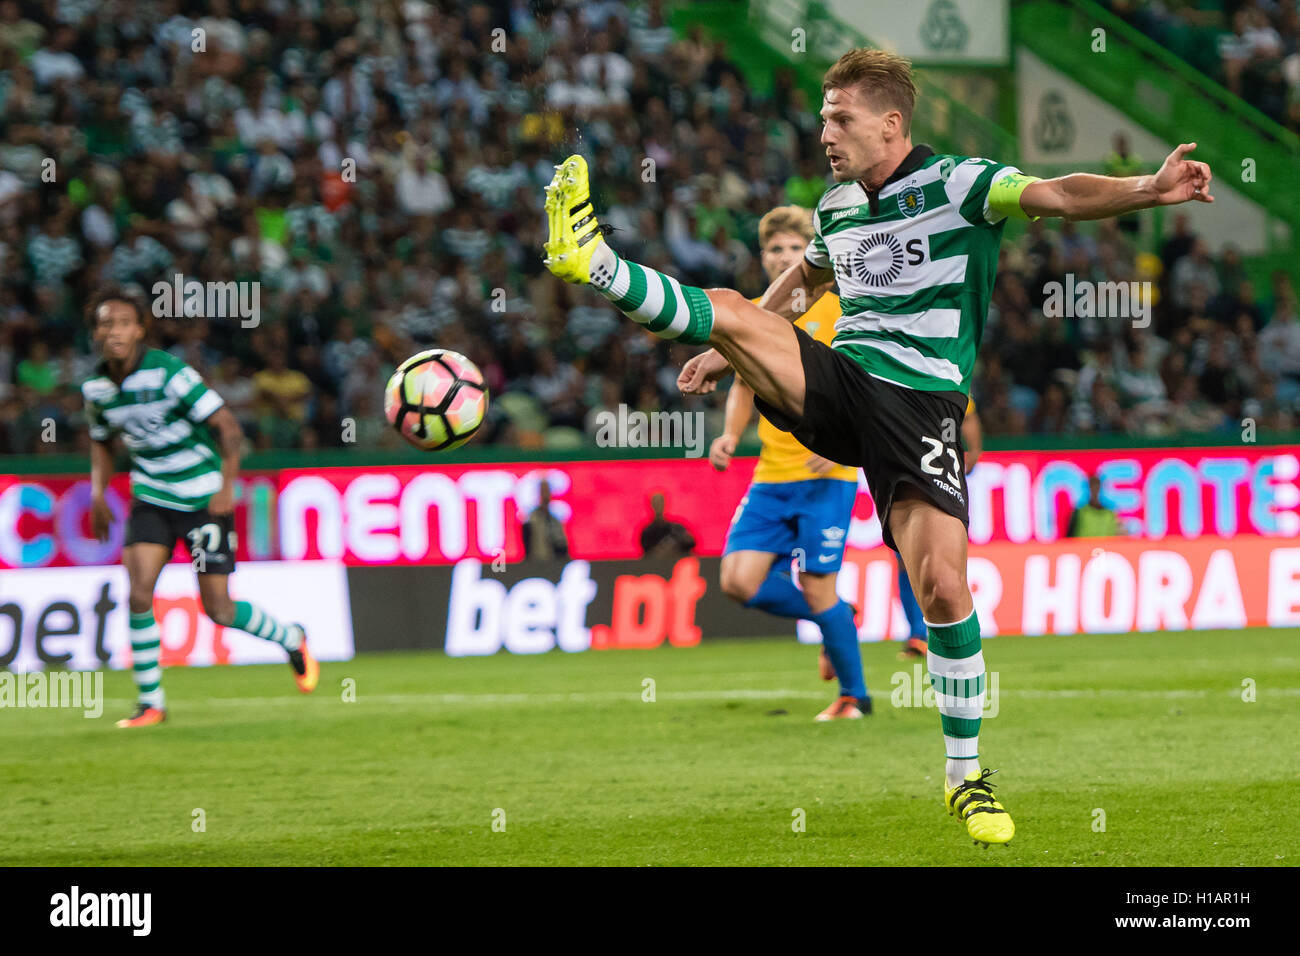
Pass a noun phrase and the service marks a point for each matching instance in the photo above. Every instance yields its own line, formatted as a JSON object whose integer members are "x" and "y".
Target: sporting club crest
{"x": 911, "y": 200}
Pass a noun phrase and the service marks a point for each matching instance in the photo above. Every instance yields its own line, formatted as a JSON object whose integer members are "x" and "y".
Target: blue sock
{"x": 840, "y": 638}
{"x": 778, "y": 594}
{"x": 915, "y": 619}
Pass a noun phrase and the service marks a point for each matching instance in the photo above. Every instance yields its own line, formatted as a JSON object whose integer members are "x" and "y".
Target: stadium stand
{"x": 352, "y": 159}
{"x": 1250, "y": 46}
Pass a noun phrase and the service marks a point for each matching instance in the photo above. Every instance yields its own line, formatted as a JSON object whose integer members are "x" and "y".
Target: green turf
{"x": 1151, "y": 729}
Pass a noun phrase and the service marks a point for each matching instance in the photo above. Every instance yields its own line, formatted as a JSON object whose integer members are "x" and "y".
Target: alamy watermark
{"x": 131, "y": 911}
{"x": 1085, "y": 299}
{"x": 635, "y": 429}
{"x": 916, "y": 690}
{"x": 83, "y": 690}
{"x": 191, "y": 299}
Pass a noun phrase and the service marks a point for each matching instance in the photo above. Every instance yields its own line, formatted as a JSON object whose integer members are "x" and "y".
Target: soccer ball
{"x": 436, "y": 400}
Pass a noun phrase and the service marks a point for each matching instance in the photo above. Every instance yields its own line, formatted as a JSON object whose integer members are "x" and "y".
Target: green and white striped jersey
{"x": 158, "y": 409}
{"x": 915, "y": 267}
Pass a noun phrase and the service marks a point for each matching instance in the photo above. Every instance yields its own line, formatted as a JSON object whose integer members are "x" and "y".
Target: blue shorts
{"x": 801, "y": 519}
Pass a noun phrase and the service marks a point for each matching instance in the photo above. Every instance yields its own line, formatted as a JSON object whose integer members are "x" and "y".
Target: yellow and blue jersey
{"x": 789, "y": 509}
{"x": 783, "y": 458}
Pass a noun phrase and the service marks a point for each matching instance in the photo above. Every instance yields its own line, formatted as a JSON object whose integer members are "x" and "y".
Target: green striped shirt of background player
{"x": 159, "y": 408}
{"x": 184, "y": 446}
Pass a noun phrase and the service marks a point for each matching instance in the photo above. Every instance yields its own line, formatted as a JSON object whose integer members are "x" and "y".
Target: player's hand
{"x": 1181, "y": 179}
{"x": 101, "y": 518}
{"x": 720, "y": 452}
{"x": 819, "y": 465}
{"x": 700, "y": 375}
{"x": 222, "y": 503}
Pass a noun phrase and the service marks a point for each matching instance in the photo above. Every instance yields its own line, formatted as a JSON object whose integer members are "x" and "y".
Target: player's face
{"x": 856, "y": 137}
{"x": 117, "y": 330}
{"x": 782, "y": 251}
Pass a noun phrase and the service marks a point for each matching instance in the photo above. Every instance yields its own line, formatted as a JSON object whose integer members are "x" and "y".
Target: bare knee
{"x": 139, "y": 594}
{"x": 726, "y": 300}
{"x": 819, "y": 591}
{"x": 727, "y": 305}
{"x": 738, "y": 583}
{"x": 942, "y": 592}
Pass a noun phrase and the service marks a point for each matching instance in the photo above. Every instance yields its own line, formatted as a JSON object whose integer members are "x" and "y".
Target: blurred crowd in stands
{"x": 1250, "y": 46}
{"x": 1213, "y": 350}
{"x": 378, "y": 169}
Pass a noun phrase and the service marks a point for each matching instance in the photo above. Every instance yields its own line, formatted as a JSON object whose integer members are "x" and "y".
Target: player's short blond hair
{"x": 795, "y": 219}
{"x": 885, "y": 78}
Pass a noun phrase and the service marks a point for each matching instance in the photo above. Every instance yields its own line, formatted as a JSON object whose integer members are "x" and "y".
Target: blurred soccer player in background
{"x": 798, "y": 507}
{"x": 184, "y": 446}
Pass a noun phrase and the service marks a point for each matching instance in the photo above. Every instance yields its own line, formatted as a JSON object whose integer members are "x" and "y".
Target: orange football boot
{"x": 306, "y": 671}
{"x": 144, "y": 716}
{"x": 914, "y": 649}
{"x": 846, "y": 708}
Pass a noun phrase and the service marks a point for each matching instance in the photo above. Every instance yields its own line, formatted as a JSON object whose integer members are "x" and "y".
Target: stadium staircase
{"x": 759, "y": 34}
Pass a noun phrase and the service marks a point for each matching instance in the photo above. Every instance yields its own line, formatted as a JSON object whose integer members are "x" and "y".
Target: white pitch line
{"x": 590, "y": 697}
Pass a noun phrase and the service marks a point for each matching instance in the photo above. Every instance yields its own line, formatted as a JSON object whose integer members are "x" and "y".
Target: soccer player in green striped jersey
{"x": 912, "y": 239}
{"x": 184, "y": 446}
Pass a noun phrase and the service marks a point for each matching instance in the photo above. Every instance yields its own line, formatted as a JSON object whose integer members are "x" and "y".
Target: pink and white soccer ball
{"x": 436, "y": 400}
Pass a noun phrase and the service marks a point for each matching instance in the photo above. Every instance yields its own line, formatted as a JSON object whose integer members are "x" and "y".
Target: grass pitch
{"x": 1146, "y": 734}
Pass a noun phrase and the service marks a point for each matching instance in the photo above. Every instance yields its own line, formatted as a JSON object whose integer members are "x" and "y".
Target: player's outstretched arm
{"x": 794, "y": 291}
{"x": 1085, "y": 196}
{"x": 101, "y": 470}
{"x": 230, "y": 438}
{"x": 740, "y": 407}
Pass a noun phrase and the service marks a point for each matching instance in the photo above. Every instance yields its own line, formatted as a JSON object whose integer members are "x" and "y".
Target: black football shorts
{"x": 895, "y": 435}
{"x": 209, "y": 539}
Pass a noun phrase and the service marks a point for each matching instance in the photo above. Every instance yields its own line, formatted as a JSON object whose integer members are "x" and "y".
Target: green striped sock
{"x": 659, "y": 302}
{"x": 251, "y": 618}
{"x": 957, "y": 674}
{"x": 146, "y": 650}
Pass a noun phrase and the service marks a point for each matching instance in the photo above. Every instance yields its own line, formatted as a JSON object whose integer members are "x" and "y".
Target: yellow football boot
{"x": 575, "y": 235}
{"x": 987, "y": 821}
